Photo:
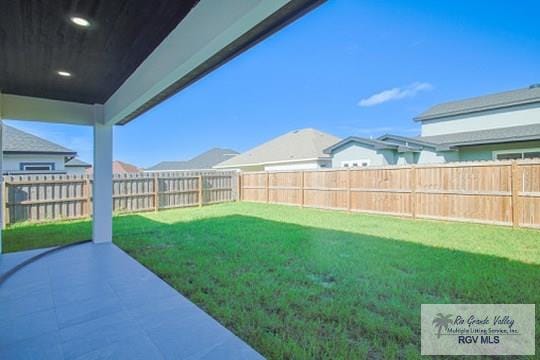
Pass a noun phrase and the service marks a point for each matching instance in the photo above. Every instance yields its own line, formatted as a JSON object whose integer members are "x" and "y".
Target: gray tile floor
{"x": 96, "y": 302}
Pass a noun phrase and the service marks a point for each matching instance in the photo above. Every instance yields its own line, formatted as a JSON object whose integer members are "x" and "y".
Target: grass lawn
{"x": 304, "y": 283}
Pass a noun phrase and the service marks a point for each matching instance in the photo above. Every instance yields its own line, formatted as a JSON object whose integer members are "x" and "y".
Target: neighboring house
{"x": 76, "y": 166}
{"x": 204, "y": 161}
{"x": 492, "y": 127}
{"x": 120, "y": 167}
{"x": 299, "y": 149}
{"x": 24, "y": 153}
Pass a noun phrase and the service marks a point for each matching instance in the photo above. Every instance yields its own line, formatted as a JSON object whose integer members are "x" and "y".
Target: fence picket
{"x": 53, "y": 197}
{"x": 493, "y": 192}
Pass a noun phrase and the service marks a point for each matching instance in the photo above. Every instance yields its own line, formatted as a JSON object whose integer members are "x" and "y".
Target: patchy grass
{"x": 303, "y": 283}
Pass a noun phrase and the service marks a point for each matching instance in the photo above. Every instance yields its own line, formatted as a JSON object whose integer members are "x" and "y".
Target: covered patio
{"x": 101, "y": 64}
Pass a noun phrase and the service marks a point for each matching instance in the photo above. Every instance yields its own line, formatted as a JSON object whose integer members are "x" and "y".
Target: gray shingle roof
{"x": 524, "y": 96}
{"x": 303, "y": 144}
{"x": 501, "y": 135}
{"x": 18, "y": 141}
{"x": 168, "y": 166}
{"x": 205, "y": 160}
{"x": 405, "y": 140}
{"x": 76, "y": 162}
{"x": 377, "y": 144}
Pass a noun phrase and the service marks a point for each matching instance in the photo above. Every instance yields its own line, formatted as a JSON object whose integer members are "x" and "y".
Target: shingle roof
{"x": 168, "y": 166}
{"x": 205, "y": 160}
{"x": 297, "y": 145}
{"x": 210, "y": 158}
{"x": 482, "y": 103}
{"x": 500, "y": 135}
{"x": 120, "y": 167}
{"x": 405, "y": 140}
{"x": 377, "y": 144}
{"x": 76, "y": 162}
{"x": 18, "y": 141}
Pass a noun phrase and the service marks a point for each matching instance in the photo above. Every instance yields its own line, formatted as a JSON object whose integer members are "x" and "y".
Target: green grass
{"x": 303, "y": 283}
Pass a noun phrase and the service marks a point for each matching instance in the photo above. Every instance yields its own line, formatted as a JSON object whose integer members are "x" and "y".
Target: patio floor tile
{"x": 95, "y": 301}
{"x": 27, "y": 326}
{"x": 134, "y": 348}
{"x": 45, "y": 346}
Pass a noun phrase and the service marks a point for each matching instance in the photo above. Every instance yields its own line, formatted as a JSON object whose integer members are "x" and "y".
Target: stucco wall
{"x": 485, "y": 152}
{"x": 354, "y": 151}
{"x": 75, "y": 170}
{"x": 432, "y": 157}
{"x": 306, "y": 165}
{"x": 12, "y": 161}
{"x": 406, "y": 158}
{"x": 522, "y": 115}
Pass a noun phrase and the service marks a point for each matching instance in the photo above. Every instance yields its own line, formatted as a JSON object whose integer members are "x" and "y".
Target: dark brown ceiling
{"x": 37, "y": 39}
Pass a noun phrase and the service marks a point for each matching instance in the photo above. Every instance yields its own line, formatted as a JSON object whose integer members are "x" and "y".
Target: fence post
{"x": 413, "y": 192}
{"x": 348, "y": 189}
{"x": 515, "y": 185}
{"x": 239, "y": 186}
{"x": 200, "y": 180}
{"x": 87, "y": 195}
{"x": 302, "y": 189}
{"x": 267, "y": 187}
{"x": 156, "y": 192}
{"x": 5, "y": 198}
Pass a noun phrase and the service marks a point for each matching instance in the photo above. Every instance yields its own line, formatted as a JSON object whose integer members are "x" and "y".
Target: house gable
{"x": 359, "y": 152}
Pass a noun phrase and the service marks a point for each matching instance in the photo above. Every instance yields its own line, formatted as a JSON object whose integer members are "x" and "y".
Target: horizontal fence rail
{"x": 493, "y": 192}
{"x": 38, "y": 198}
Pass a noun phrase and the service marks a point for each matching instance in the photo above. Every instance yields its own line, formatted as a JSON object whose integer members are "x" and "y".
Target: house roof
{"x": 206, "y": 160}
{"x": 377, "y": 144}
{"x": 18, "y": 141}
{"x": 76, "y": 162}
{"x": 297, "y": 145}
{"x": 168, "y": 166}
{"x": 499, "y": 135}
{"x": 407, "y": 141}
{"x": 120, "y": 167}
{"x": 529, "y": 95}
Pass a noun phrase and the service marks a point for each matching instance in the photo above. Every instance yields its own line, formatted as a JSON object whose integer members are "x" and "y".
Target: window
{"x": 37, "y": 166}
{"x": 531, "y": 155}
{"x": 516, "y": 154}
{"x": 355, "y": 163}
{"x": 510, "y": 156}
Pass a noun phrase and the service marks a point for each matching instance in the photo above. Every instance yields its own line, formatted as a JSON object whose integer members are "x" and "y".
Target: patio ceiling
{"x": 122, "y": 33}
{"x": 133, "y": 55}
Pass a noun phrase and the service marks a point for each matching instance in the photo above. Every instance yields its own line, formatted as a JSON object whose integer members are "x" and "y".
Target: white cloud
{"x": 395, "y": 94}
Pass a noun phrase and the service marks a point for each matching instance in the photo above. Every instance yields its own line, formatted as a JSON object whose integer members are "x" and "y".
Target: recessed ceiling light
{"x": 80, "y": 21}
{"x": 63, "y": 73}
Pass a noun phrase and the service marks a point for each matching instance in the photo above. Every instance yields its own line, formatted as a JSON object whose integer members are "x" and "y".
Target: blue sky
{"x": 348, "y": 68}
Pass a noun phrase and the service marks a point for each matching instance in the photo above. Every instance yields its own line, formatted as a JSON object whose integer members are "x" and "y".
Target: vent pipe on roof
{"x": 534, "y": 86}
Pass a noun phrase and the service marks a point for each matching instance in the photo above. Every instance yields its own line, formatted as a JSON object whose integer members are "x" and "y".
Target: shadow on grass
{"x": 293, "y": 291}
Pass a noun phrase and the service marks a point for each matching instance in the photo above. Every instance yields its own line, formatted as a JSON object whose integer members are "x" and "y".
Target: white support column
{"x": 102, "y": 188}
{"x": 1, "y": 175}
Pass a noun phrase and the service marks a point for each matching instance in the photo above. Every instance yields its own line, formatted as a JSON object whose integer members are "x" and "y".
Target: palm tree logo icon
{"x": 442, "y": 321}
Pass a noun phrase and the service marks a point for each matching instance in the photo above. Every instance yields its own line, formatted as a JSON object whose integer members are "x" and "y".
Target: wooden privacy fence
{"x": 53, "y": 197}
{"x": 494, "y": 192}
